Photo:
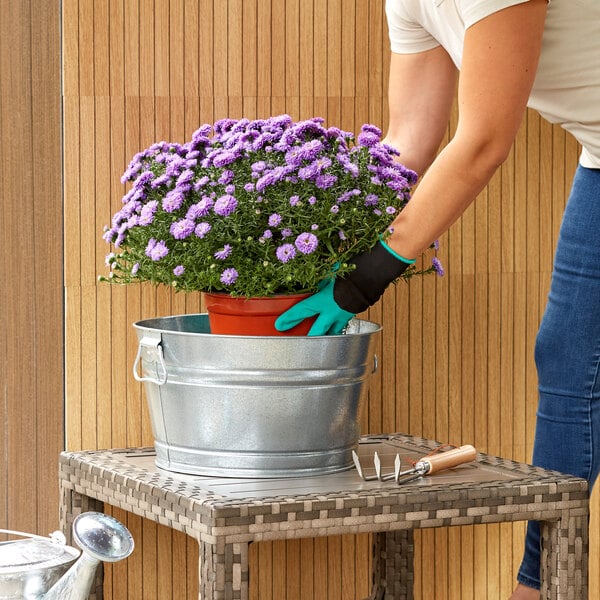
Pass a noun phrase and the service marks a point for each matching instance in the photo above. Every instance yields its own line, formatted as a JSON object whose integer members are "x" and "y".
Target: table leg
{"x": 393, "y": 553}
{"x": 223, "y": 571}
{"x": 71, "y": 505}
{"x": 564, "y": 559}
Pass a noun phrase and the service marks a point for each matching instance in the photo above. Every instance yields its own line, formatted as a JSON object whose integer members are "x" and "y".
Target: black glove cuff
{"x": 374, "y": 271}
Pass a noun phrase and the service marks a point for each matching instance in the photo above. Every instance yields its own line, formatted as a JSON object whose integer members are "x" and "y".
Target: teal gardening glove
{"x": 339, "y": 299}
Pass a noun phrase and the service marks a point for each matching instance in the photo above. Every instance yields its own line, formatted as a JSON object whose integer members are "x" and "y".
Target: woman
{"x": 504, "y": 55}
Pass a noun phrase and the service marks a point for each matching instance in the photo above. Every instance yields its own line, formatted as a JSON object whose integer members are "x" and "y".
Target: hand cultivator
{"x": 437, "y": 461}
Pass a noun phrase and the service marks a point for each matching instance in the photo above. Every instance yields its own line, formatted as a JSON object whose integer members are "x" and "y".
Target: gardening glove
{"x": 340, "y": 299}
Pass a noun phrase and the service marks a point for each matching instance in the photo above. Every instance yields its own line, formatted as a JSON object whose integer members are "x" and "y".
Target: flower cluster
{"x": 256, "y": 207}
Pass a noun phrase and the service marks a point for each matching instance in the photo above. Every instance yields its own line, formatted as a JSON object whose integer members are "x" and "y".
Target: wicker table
{"x": 225, "y": 515}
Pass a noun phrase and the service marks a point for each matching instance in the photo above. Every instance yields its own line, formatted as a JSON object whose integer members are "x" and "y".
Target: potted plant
{"x": 256, "y": 208}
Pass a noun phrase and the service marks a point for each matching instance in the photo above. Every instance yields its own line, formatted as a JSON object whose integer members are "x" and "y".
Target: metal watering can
{"x": 46, "y": 568}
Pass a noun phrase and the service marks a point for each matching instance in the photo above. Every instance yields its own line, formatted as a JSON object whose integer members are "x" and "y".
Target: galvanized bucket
{"x": 250, "y": 406}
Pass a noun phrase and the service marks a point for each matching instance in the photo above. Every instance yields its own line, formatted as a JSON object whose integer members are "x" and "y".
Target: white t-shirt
{"x": 567, "y": 84}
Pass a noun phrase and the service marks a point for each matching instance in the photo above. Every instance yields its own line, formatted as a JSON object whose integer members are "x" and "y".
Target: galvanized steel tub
{"x": 251, "y": 406}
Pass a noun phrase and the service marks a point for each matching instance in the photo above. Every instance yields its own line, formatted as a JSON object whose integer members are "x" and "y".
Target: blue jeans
{"x": 567, "y": 355}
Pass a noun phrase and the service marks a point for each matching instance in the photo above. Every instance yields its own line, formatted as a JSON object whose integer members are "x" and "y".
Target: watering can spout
{"x": 102, "y": 539}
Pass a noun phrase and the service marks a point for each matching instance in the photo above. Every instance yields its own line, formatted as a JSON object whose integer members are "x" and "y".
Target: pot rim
{"x": 356, "y": 327}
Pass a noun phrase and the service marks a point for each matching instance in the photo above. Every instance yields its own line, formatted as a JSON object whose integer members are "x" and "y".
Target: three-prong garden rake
{"x": 437, "y": 461}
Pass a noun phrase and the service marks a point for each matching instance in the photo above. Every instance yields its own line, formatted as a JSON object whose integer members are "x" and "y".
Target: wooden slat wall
{"x": 456, "y": 354}
{"x": 31, "y": 264}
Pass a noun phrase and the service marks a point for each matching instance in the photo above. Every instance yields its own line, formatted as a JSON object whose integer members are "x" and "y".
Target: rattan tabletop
{"x": 227, "y": 513}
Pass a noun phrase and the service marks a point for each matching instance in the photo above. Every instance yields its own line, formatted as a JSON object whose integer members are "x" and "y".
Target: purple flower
{"x": 200, "y": 136}
{"x": 285, "y": 142}
{"x": 390, "y": 210}
{"x": 182, "y": 229}
{"x": 306, "y": 243}
{"x": 172, "y": 201}
{"x": 225, "y": 205}
{"x": 349, "y": 194}
{"x": 260, "y": 141}
{"x": 223, "y": 253}
{"x": 202, "y": 229}
{"x": 138, "y": 194}
{"x": 271, "y": 177}
{"x": 198, "y": 185}
{"x": 133, "y": 168}
{"x": 108, "y": 235}
{"x": 156, "y": 250}
{"x": 314, "y": 169}
{"x": 348, "y": 165}
{"x": 392, "y": 173}
{"x": 392, "y": 170}
{"x": 228, "y": 276}
{"x": 307, "y": 152}
{"x": 337, "y": 134}
{"x": 366, "y": 138}
{"x": 201, "y": 208}
{"x": 294, "y": 200}
{"x": 267, "y": 234}
{"x": 249, "y": 187}
{"x": 185, "y": 178}
{"x": 437, "y": 265}
{"x": 325, "y": 181}
{"x": 286, "y": 232}
{"x": 143, "y": 179}
{"x": 174, "y": 165}
{"x": 178, "y": 270}
{"x": 223, "y": 125}
{"x": 226, "y": 177}
{"x": 135, "y": 269}
{"x": 274, "y": 220}
{"x": 266, "y": 180}
{"x": 309, "y": 128}
{"x": 371, "y": 200}
{"x": 225, "y": 157}
{"x": 369, "y": 128}
{"x": 285, "y": 253}
{"x": 161, "y": 180}
{"x": 369, "y": 135}
{"x": 312, "y": 200}
{"x": 383, "y": 154}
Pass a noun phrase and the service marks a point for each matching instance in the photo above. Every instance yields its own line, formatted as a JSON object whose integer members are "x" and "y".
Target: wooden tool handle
{"x": 450, "y": 458}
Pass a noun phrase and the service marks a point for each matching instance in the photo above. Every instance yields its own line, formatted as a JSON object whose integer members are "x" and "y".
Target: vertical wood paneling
{"x": 31, "y": 271}
{"x": 456, "y": 353}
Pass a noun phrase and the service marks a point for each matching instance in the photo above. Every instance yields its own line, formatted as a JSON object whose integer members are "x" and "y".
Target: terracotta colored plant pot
{"x": 252, "y": 316}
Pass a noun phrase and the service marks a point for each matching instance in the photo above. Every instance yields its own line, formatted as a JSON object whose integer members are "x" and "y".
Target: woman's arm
{"x": 500, "y": 59}
{"x": 499, "y": 63}
{"x": 421, "y": 90}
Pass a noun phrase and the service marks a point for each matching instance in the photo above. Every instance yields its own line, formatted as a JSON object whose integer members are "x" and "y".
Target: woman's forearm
{"x": 446, "y": 190}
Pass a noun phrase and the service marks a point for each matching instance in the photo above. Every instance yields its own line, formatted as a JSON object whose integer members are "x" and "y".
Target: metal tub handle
{"x": 150, "y": 351}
